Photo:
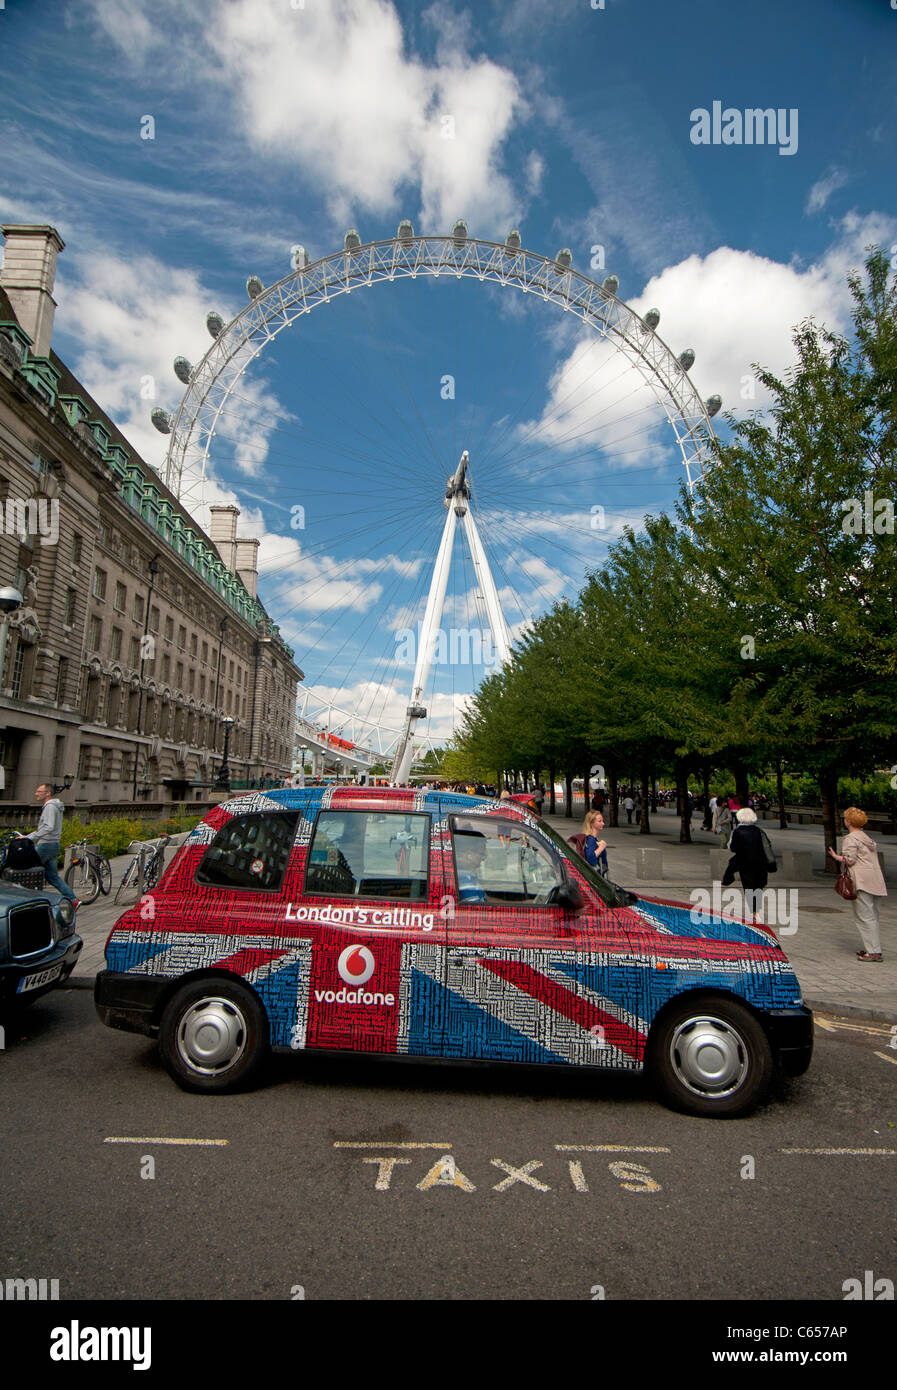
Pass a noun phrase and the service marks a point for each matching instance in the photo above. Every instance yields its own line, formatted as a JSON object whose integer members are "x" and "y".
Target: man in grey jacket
{"x": 46, "y": 838}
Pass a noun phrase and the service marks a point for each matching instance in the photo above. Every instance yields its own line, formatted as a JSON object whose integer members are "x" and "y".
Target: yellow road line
{"x": 388, "y": 1144}
{"x": 854, "y": 1153}
{"x": 885, "y": 1057}
{"x": 203, "y": 1142}
{"x": 611, "y": 1148}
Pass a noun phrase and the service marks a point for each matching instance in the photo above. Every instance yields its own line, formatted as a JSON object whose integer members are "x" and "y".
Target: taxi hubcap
{"x": 212, "y": 1035}
{"x": 708, "y": 1056}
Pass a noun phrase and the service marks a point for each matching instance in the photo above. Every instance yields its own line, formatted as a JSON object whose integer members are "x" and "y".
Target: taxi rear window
{"x": 250, "y": 851}
{"x": 369, "y": 854}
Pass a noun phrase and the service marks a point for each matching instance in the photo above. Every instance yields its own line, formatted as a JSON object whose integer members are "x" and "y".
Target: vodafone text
{"x": 361, "y": 916}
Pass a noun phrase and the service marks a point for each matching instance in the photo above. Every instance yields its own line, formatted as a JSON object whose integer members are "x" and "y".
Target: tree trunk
{"x": 551, "y": 775}
{"x": 682, "y": 798}
{"x": 742, "y": 786}
{"x": 644, "y": 823}
{"x": 613, "y": 783}
{"x": 828, "y": 787}
{"x": 568, "y": 794}
{"x": 780, "y": 795}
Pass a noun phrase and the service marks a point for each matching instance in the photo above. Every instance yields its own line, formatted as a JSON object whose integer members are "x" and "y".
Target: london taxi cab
{"x": 438, "y": 925}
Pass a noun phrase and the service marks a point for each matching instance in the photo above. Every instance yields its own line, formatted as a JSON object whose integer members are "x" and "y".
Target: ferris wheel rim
{"x": 397, "y": 257}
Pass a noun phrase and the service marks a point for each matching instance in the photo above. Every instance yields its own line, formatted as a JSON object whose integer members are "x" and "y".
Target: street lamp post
{"x": 224, "y": 770}
{"x": 153, "y": 570}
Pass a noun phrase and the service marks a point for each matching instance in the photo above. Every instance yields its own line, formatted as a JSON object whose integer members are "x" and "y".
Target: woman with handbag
{"x": 860, "y": 858}
{"x": 753, "y": 860}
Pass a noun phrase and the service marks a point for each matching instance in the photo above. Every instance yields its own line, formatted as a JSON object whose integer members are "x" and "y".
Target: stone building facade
{"x": 140, "y": 636}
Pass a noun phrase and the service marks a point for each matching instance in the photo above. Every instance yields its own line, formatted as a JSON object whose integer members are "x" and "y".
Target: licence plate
{"x": 43, "y": 977}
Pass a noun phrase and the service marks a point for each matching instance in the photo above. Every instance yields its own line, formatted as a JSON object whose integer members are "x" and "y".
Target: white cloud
{"x": 331, "y": 89}
{"x": 824, "y": 188}
{"x": 733, "y": 308}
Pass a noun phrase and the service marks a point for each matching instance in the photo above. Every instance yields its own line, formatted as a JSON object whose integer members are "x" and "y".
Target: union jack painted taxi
{"x": 439, "y": 925}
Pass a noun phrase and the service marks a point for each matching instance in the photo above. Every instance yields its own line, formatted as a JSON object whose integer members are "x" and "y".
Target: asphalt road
{"x": 349, "y": 1179}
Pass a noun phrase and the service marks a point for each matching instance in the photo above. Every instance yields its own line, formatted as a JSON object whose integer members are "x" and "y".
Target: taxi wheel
{"x": 710, "y": 1056}
{"x": 213, "y": 1037}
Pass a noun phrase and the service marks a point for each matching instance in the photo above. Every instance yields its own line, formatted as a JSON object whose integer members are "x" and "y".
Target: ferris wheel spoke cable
{"x": 538, "y": 433}
{"x": 492, "y": 459}
{"x": 381, "y": 458}
{"x": 339, "y": 376}
{"x": 383, "y": 603}
{"x": 407, "y": 613}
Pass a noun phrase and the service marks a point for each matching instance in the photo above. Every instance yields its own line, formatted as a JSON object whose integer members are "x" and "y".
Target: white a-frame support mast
{"x": 457, "y": 500}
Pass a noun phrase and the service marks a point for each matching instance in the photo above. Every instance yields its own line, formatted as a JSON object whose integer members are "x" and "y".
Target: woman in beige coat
{"x": 861, "y": 857}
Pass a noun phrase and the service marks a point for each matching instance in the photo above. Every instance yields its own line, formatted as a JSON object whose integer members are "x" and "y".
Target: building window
{"x": 169, "y": 629}
{"x": 138, "y": 608}
{"x": 62, "y": 675}
{"x": 94, "y": 633}
{"x": 84, "y": 762}
{"x": 205, "y": 653}
{"x": 192, "y": 682}
{"x": 121, "y": 597}
{"x": 166, "y": 669}
{"x": 182, "y": 638}
{"x": 18, "y": 667}
{"x": 71, "y": 598}
{"x": 202, "y": 687}
{"x": 116, "y": 643}
{"x": 77, "y": 548}
{"x": 134, "y": 653}
{"x": 154, "y": 620}
{"x": 99, "y": 584}
{"x": 103, "y": 536}
{"x": 193, "y": 645}
{"x": 179, "y": 676}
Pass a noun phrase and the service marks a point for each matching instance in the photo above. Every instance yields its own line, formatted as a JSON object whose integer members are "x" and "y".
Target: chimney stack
{"x": 223, "y": 532}
{"x": 28, "y": 276}
{"x": 248, "y": 564}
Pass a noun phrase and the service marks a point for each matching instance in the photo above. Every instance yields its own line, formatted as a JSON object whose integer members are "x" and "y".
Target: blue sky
{"x": 278, "y": 122}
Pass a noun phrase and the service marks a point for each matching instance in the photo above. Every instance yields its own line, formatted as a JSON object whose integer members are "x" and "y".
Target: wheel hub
{"x": 709, "y": 1056}
{"x": 212, "y": 1035}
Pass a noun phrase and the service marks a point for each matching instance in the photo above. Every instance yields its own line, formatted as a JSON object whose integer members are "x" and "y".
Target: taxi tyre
{"x": 213, "y": 1036}
{"x": 708, "y": 1055}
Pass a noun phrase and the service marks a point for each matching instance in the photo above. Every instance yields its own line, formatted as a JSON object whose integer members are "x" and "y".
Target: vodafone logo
{"x": 356, "y": 965}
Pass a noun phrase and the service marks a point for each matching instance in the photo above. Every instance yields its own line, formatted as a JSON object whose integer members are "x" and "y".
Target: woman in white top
{"x": 861, "y": 857}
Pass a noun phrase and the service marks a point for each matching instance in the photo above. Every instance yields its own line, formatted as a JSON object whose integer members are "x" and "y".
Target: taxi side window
{"x": 500, "y": 862}
{"x": 369, "y": 854}
{"x": 250, "y": 851}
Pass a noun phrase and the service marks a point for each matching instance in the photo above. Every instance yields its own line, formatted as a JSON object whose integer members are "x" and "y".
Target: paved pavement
{"x": 822, "y": 948}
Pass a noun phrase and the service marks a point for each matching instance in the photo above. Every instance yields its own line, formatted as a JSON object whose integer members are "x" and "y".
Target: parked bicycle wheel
{"x": 129, "y": 878}
{"x": 104, "y": 868}
{"x": 83, "y": 880}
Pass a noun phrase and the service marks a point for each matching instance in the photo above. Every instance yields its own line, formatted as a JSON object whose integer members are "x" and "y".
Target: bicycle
{"x": 89, "y": 873}
{"x": 152, "y": 866}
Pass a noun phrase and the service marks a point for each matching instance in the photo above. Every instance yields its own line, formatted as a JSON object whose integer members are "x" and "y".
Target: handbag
{"x": 845, "y": 885}
{"x": 771, "y": 864}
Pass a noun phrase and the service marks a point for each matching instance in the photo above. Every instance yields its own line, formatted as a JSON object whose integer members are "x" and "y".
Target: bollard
{"x": 797, "y": 863}
{"x": 649, "y": 864}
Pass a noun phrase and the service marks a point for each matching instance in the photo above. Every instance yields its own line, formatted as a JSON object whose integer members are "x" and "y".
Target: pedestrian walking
{"x": 595, "y": 849}
{"x": 860, "y": 856}
{"x": 749, "y": 860}
{"x": 46, "y": 839}
{"x": 722, "y": 821}
{"x": 629, "y": 807}
{"x": 539, "y": 798}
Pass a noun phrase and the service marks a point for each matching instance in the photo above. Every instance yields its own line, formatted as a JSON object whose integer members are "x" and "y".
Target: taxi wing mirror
{"x": 569, "y": 897}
